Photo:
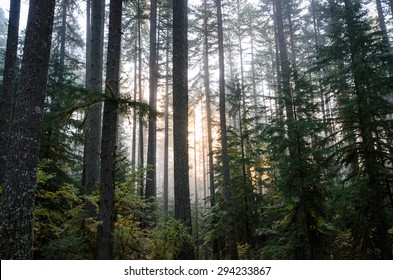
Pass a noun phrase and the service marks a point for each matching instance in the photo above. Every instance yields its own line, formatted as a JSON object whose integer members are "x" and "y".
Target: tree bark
{"x": 109, "y": 135}
{"x": 93, "y": 133}
{"x": 180, "y": 119}
{"x": 285, "y": 77}
{"x": 63, "y": 31}
{"x": 206, "y": 84}
{"x": 166, "y": 137}
{"x": 231, "y": 233}
{"x": 6, "y": 98}
{"x": 141, "y": 156}
{"x": 17, "y": 212}
{"x": 88, "y": 43}
{"x": 134, "y": 119}
{"x": 152, "y": 140}
{"x": 381, "y": 21}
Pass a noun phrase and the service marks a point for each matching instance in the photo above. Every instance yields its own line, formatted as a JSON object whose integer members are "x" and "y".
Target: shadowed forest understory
{"x": 199, "y": 129}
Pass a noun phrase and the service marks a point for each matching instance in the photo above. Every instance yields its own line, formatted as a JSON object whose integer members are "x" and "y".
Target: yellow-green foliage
{"x": 133, "y": 241}
{"x": 62, "y": 231}
{"x": 167, "y": 239}
{"x": 244, "y": 251}
{"x": 58, "y": 215}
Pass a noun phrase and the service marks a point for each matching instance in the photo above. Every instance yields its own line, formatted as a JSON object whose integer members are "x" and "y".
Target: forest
{"x": 196, "y": 129}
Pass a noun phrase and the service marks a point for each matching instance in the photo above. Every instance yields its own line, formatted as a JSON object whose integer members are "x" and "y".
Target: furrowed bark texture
{"x": 152, "y": 140}
{"x": 17, "y": 212}
{"x": 93, "y": 133}
{"x": 180, "y": 119}
{"x": 109, "y": 135}
{"x": 6, "y": 98}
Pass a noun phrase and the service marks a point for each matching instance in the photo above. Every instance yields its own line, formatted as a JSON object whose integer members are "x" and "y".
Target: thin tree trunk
{"x": 206, "y": 83}
{"x": 324, "y": 105}
{"x": 231, "y": 233}
{"x": 285, "y": 77}
{"x": 203, "y": 156}
{"x": 166, "y": 137}
{"x": 6, "y": 97}
{"x": 196, "y": 191}
{"x": 277, "y": 67}
{"x": 134, "y": 119}
{"x": 253, "y": 75}
{"x": 88, "y": 43}
{"x": 17, "y": 212}
{"x": 63, "y": 32}
{"x": 242, "y": 116}
{"x": 141, "y": 159}
{"x": 391, "y": 7}
{"x": 93, "y": 133}
{"x": 109, "y": 135}
{"x": 291, "y": 34}
{"x": 381, "y": 21}
{"x": 152, "y": 138}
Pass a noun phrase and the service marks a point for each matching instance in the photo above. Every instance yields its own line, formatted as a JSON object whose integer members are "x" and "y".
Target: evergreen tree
{"x": 7, "y": 95}
{"x": 61, "y": 139}
{"x": 109, "y": 134}
{"x": 359, "y": 66}
{"x": 151, "y": 187}
{"x": 230, "y": 217}
{"x": 91, "y": 163}
{"x": 17, "y": 211}
{"x": 180, "y": 119}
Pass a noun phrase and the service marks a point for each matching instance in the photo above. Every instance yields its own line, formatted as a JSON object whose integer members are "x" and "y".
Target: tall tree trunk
{"x": 206, "y": 84}
{"x": 6, "y": 97}
{"x": 134, "y": 116}
{"x": 231, "y": 233}
{"x": 253, "y": 74}
{"x": 285, "y": 77}
{"x": 152, "y": 140}
{"x": 109, "y": 135}
{"x": 196, "y": 223}
{"x": 88, "y": 43}
{"x": 381, "y": 21}
{"x": 141, "y": 155}
{"x": 324, "y": 100}
{"x": 242, "y": 117}
{"x": 203, "y": 156}
{"x": 391, "y": 7}
{"x": 166, "y": 136}
{"x": 368, "y": 133}
{"x": 180, "y": 119}
{"x": 63, "y": 32}
{"x": 89, "y": 208}
{"x": 276, "y": 62}
{"x": 291, "y": 34}
{"x": 17, "y": 212}
{"x": 93, "y": 133}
